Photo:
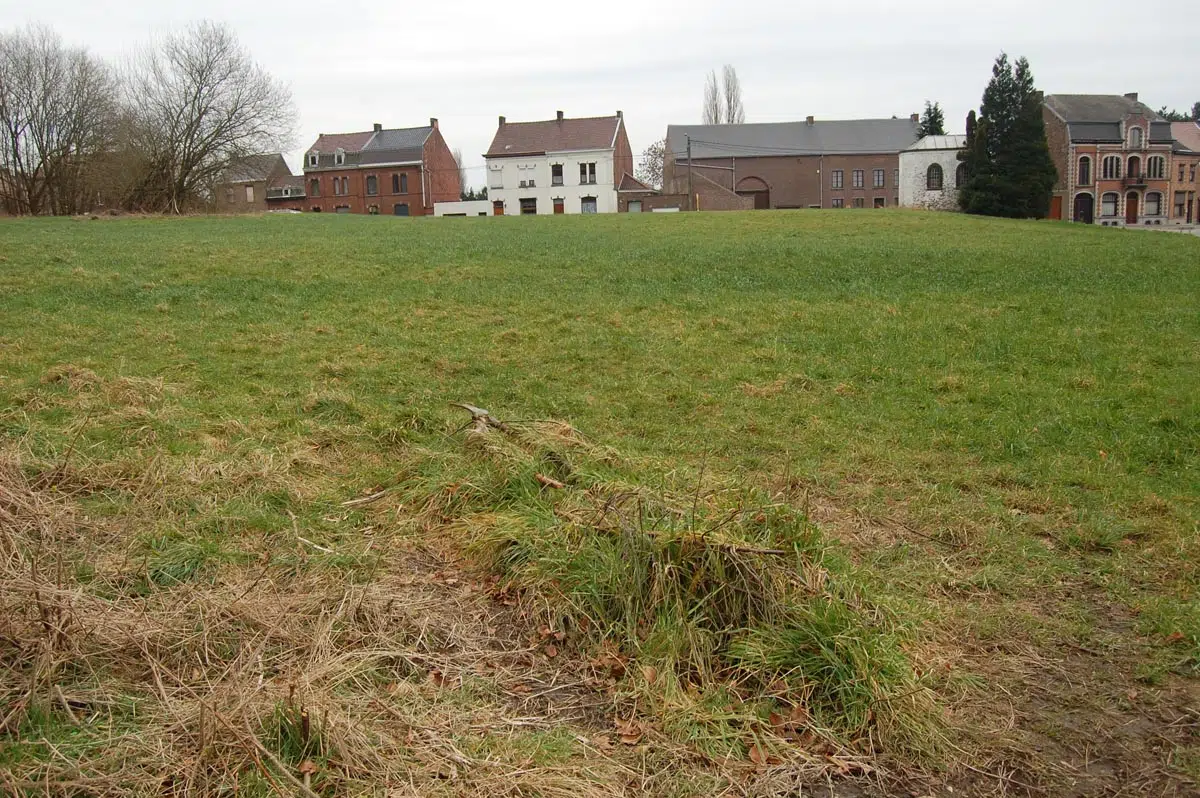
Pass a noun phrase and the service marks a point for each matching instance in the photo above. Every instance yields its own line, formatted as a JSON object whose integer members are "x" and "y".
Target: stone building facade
{"x": 931, "y": 174}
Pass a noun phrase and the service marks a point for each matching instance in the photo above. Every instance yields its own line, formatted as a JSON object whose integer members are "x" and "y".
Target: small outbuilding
{"x": 931, "y": 174}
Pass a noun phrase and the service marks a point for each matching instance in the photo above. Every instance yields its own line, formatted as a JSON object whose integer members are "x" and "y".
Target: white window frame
{"x": 495, "y": 177}
{"x": 1116, "y": 204}
{"x": 339, "y": 157}
{"x": 314, "y": 158}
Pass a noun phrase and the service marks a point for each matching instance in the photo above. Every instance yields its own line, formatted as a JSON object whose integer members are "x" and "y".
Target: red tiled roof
{"x": 1187, "y": 134}
{"x": 631, "y": 183}
{"x": 350, "y": 142}
{"x": 530, "y": 138}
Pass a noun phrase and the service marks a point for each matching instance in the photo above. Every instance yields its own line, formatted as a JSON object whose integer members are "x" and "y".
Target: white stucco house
{"x": 463, "y": 208}
{"x": 558, "y": 165}
{"x": 930, "y": 173}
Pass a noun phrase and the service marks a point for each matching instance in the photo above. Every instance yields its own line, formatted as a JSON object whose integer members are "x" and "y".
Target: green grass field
{"x": 905, "y": 500}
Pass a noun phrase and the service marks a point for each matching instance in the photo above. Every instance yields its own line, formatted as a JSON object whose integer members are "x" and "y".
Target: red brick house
{"x": 1185, "y": 163}
{"x": 811, "y": 164}
{"x": 1113, "y": 155}
{"x": 400, "y": 172}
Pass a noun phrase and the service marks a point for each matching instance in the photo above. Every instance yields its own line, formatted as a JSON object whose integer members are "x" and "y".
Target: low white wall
{"x": 468, "y": 208}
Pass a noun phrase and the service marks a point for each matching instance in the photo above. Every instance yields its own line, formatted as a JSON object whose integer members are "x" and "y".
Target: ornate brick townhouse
{"x": 1114, "y": 157}
{"x": 809, "y": 164}
{"x": 389, "y": 171}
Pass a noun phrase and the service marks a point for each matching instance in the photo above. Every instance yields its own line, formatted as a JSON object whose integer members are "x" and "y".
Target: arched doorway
{"x": 1085, "y": 208}
{"x": 757, "y": 189}
{"x": 1131, "y": 207}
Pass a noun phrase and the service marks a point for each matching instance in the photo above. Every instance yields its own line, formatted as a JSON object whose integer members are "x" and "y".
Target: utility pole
{"x": 691, "y": 193}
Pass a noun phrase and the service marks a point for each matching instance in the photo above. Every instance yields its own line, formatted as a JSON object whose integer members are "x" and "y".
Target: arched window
{"x": 933, "y": 178}
{"x": 372, "y": 185}
{"x": 1156, "y": 167}
{"x": 314, "y": 187}
{"x": 960, "y": 175}
{"x": 1135, "y": 138}
{"x": 1108, "y": 204}
{"x": 1085, "y": 171}
{"x": 395, "y": 184}
{"x": 1112, "y": 167}
{"x": 1153, "y": 203}
{"x": 404, "y": 184}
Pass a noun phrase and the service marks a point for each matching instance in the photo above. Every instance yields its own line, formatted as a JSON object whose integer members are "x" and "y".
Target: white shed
{"x": 930, "y": 173}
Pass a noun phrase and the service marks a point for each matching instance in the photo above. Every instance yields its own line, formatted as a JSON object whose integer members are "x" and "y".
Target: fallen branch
{"x": 481, "y": 418}
{"x": 365, "y": 500}
{"x": 549, "y": 482}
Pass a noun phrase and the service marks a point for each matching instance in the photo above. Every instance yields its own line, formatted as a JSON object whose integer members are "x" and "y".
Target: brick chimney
{"x": 916, "y": 118}
{"x": 433, "y": 122}
{"x": 560, "y": 116}
{"x": 620, "y": 114}
{"x": 1133, "y": 95}
{"x": 501, "y": 121}
{"x": 378, "y": 127}
{"x": 809, "y": 120}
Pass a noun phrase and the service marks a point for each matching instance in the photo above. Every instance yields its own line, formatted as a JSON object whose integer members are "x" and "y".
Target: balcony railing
{"x": 1135, "y": 180}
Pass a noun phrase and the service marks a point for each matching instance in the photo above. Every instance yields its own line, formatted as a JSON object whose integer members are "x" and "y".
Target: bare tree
{"x": 712, "y": 100}
{"x": 723, "y": 98}
{"x": 650, "y": 166}
{"x": 464, "y": 188}
{"x": 198, "y": 101}
{"x": 731, "y": 87}
{"x": 56, "y": 103}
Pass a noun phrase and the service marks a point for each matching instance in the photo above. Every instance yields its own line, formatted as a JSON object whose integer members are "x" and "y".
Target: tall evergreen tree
{"x": 1009, "y": 169}
{"x": 1196, "y": 112}
{"x": 933, "y": 122}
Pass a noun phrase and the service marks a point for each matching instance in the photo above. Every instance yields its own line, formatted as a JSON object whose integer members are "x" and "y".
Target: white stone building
{"x": 930, "y": 173}
{"x": 558, "y": 165}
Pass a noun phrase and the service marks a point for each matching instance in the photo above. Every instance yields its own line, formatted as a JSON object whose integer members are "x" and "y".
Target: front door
{"x": 1085, "y": 208}
{"x": 1131, "y": 208}
{"x": 1190, "y": 203}
{"x": 497, "y": 207}
{"x": 1056, "y": 203}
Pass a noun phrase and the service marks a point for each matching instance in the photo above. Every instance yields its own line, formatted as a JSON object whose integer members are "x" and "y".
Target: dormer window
{"x": 314, "y": 158}
{"x": 339, "y": 157}
{"x": 1135, "y": 138}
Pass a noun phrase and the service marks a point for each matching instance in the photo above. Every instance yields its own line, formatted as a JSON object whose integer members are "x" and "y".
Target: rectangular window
{"x": 395, "y": 184}
{"x": 635, "y": 206}
{"x": 495, "y": 177}
{"x": 403, "y": 184}
{"x": 880, "y": 202}
{"x": 1153, "y": 203}
{"x": 529, "y": 206}
{"x": 879, "y": 177}
{"x": 858, "y": 178}
{"x": 1180, "y": 204}
{"x": 838, "y": 202}
{"x": 249, "y": 193}
{"x": 314, "y": 187}
{"x": 587, "y": 204}
{"x": 896, "y": 179}
{"x": 559, "y": 205}
{"x": 587, "y": 174}
{"x": 1180, "y": 173}
{"x": 836, "y": 180}
{"x": 859, "y": 202}
{"x": 1108, "y": 205}
{"x": 556, "y": 174}
{"x": 1192, "y": 173}
{"x": 372, "y": 185}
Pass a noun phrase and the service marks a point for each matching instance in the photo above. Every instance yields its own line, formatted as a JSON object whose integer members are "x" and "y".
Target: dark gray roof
{"x": 1110, "y": 132}
{"x": 1097, "y": 107}
{"x": 254, "y": 167}
{"x": 792, "y": 138}
{"x": 396, "y": 146}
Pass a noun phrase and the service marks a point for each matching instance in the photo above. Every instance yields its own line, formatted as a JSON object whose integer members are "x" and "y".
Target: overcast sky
{"x": 350, "y": 64}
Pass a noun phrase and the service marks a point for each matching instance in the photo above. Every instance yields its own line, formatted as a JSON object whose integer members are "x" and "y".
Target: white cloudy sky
{"x": 350, "y": 64}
